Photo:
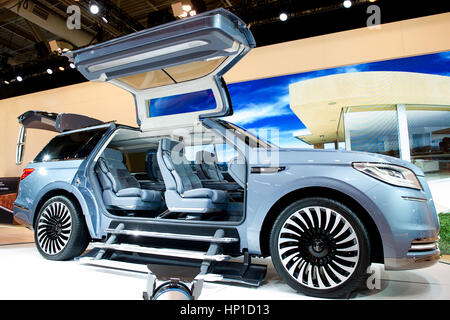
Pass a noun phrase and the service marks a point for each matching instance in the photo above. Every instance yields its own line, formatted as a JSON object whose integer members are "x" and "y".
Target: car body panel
{"x": 45, "y": 177}
{"x": 333, "y": 170}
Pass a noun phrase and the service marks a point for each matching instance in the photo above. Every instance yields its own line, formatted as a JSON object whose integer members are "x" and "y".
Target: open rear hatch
{"x": 57, "y": 122}
{"x": 173, "y": 70}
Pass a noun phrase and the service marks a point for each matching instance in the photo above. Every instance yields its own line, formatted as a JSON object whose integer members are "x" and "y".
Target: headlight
{"x": 392, "y": 174}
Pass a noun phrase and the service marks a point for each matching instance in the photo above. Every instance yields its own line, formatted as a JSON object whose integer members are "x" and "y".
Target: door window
{"x": 77, "y": 145}
{"x": 182, "y": 103}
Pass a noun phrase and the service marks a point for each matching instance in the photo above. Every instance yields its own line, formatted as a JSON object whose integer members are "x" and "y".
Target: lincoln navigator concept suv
{"x": 187, "y": 188}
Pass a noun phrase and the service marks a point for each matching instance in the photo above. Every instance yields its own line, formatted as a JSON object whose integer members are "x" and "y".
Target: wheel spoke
{"x": 308, "y": 214}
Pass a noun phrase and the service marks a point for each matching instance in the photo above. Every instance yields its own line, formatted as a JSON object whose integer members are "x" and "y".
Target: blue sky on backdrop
{"x": 264, "y": 103}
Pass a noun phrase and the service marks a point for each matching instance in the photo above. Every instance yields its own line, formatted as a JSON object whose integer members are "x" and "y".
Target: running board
{"x": 223, "y": 272}
{"x": 136, "y": 267}
{"x": 212, "y": 265}
{"x": 174, "y": 236}
{"x": 176, "y": 253}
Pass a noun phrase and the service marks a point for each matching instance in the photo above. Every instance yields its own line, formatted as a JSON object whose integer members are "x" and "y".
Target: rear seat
{"x": 120, "y": 189}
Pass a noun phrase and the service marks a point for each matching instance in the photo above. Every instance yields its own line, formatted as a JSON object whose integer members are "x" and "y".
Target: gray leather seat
{"x": 184, "y": 190}
{"x": 208, "y": 171}
{"x": 152, "y": 167}
{"x": 206, "y": 165}
{"x": 120, "y": 189}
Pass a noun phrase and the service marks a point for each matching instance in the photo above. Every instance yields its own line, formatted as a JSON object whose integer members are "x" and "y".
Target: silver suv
{"x": 187, "y": 188}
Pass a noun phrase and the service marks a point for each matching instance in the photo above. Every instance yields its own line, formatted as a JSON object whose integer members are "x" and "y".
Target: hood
{"x": 291, "y": 156}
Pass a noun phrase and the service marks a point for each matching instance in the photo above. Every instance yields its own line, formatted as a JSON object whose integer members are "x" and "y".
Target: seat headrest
{"x": 169, "y": 145}
{"x": 203, "y": 156}
{"x": 112, "y": 154}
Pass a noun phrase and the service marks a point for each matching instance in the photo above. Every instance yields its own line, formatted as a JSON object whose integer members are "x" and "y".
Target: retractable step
{"x": 212, "y": 265}
{"x": 187, "y": 254}
{"x": 174, "y": 236}
{"x": 137, "y": 267}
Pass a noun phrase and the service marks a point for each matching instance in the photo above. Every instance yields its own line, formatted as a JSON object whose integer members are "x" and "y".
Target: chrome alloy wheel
{"x": 318, "y": 247}
{"x": 54, "y": 228}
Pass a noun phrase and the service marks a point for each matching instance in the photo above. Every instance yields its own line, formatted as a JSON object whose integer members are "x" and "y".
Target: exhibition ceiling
{"x": 33, "y": 31}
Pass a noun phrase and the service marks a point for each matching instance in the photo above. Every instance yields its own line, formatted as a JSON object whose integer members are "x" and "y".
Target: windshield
{"x": 249, "y": 139}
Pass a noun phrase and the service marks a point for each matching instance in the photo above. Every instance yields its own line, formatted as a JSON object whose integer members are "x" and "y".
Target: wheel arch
{"x": 325, "y": 192}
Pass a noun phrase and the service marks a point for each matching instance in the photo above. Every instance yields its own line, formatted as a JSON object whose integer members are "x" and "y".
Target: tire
{"x": 60, "y": 232}
{"x": 320, "y": 248}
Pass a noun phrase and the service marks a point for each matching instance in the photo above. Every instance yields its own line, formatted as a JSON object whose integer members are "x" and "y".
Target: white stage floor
{"x": 24, "y": 274}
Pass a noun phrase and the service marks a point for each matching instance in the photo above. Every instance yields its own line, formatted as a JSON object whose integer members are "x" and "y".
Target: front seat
{"x": 120, "y": 189}
{"x": 208, "y": 171}
{"x": 184, "y": 190}
{"x": 206, "y": 165}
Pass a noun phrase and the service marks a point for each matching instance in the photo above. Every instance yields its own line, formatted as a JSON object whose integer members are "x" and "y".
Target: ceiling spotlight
{"x": 283, "y": 16}
{"x": 94, "y": 8}
{"x": 347, "y": 4}
{"x": 49, "y": 71}
{"x": 61, "y": 68}
{"x": 192, "y": 13}
{"x": 72, "y": 65}
{"x": 19, "y": 78}
{"x": 186, "y": 7}
{"x": 5, "y": 81}
{"x": 183, "y": 15}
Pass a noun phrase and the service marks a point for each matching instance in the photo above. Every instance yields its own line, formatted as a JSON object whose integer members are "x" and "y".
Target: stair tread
{"x": 136, "y": 267}
{"x": 176, "y": 236}
{"x": 197, "y": 255}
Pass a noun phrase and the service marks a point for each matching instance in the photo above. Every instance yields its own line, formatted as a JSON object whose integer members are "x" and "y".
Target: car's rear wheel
{"x": 60, "y": 233}
{"x": 320, "y": 248}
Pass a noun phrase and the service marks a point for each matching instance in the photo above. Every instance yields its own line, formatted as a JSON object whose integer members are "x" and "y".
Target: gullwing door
{"x": 174, "y": 70}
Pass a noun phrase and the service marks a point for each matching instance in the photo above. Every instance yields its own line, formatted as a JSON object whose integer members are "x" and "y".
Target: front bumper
{"x": 422, "y": 253}
{"x": 411, "y": 231}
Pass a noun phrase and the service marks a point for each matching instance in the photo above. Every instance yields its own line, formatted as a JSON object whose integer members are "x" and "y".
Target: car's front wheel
{"x": 320, "y": 248}
{"x": 60, "y": 233}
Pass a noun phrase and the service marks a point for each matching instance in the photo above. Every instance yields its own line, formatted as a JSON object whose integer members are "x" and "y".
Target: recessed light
{"x": 61, "y": 68}
{"x": 94, "y": 8}
{"x": 347, "y": 4}
{"x": 49, "y": 71}
{"x": 19, "y": 78}
{"x": 283, "y": 16}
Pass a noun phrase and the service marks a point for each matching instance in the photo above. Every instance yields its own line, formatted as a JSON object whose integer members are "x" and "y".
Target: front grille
{"x": 421, "y": 245}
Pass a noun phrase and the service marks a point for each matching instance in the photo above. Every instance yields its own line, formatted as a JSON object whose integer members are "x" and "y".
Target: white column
{"x": 348, "y": 143}
{"x": 403, "y": 134}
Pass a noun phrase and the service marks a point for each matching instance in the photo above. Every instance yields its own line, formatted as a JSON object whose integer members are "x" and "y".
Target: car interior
{"x": 186, "y": 174}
